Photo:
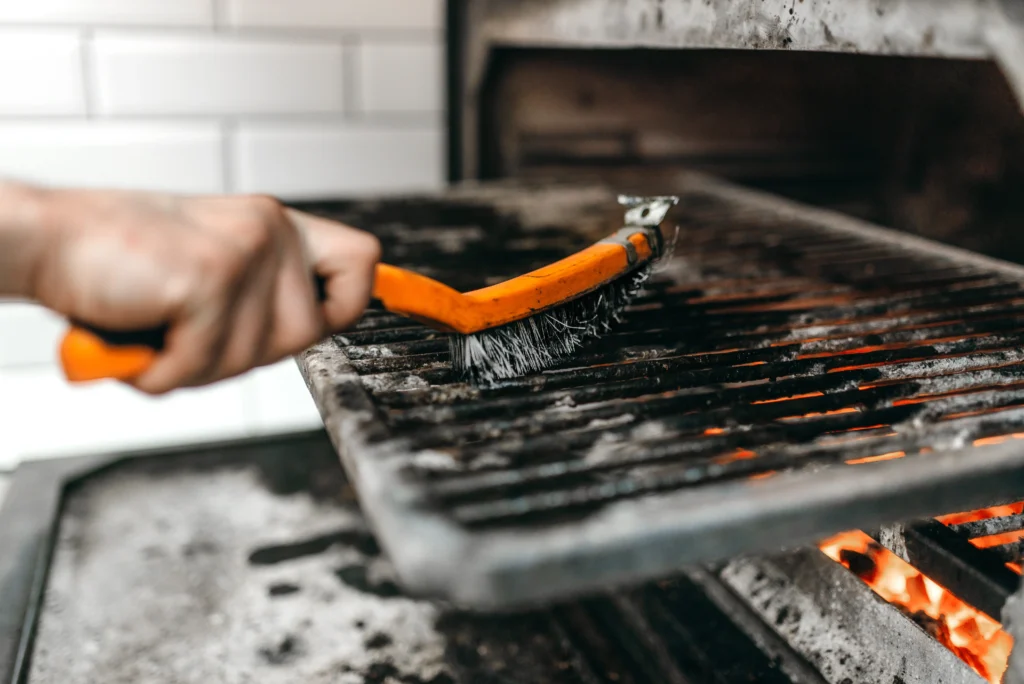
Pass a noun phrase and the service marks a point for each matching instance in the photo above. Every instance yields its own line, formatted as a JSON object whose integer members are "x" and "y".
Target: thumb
{"x": 345, "y": 258}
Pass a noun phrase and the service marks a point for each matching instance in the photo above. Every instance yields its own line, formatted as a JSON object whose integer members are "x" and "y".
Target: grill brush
{"x": 520, "y": 326}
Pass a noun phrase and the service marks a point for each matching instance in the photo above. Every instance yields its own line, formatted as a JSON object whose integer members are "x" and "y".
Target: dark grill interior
{"x": 770, "y": 343}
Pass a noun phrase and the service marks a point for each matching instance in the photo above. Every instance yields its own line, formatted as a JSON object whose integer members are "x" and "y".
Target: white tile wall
{"x": 339, "y": 14}
{"x": 29, "y": 336}
{"x": 215, "y": 74}
{"x": 108, "y": 12}
{"x": 277, "y": 400}
{"x": 401, "y": 76}
{"x": 41, "y": 72}
{"x": 183, "y": 156}
{"x": 310, "y": 160}
{"x": 45, "y": 416}
{"x": 299, "y": 98}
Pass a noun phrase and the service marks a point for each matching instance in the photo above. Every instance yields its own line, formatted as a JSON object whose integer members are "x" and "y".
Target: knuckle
{"x": 221, "y": 264}
{"x": 255, "y": 224}
{"x": 265, "y": 205}
{"x": 256, "y": 235}
{"x": 368, "y": 246}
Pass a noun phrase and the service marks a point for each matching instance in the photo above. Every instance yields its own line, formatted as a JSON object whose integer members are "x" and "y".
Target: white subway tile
{"x": 109, "y": 12}
{"x": 181, "y": 157}
{"x": 44, "y": 416}
{"x": 29, "y": 335}
{"x": 278, "y": 401}
{"x": 401, "y": 76}
{"x": 40, "y": 72}
{"x": 215, "y": 74}
{"x": 338, "y": 14}
{"x": 297, "y": 161}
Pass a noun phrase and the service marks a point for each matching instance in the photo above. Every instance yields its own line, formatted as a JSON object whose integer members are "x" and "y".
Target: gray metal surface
{"x": 1013, "y": 623}
{"x": 238, "y": 566}
{"x": 943, "y": 28}
{"x": 839, "y": 624}
{"x": 962, "y": 29}
{"x": 643, "y": 527}
{"x": 250, "y": 562}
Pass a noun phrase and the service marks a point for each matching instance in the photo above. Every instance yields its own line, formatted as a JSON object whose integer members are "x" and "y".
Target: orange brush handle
{"x": 89, "y": 354}
{"x": 443, "y": 308}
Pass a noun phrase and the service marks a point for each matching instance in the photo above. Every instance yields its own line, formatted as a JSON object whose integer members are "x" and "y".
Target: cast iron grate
{"x": 788, "y": 374}
{"x": 976, "y": 555}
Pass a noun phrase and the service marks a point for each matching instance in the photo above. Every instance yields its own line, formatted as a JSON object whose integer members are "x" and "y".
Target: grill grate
{"x": 748, "y": 400}
{"x": 979, "y": 560}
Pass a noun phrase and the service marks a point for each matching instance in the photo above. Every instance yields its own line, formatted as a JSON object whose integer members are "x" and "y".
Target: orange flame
{"x": 974, "y": 637}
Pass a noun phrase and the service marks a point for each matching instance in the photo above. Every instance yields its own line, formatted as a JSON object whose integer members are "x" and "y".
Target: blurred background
{"x": 298, "y": 98}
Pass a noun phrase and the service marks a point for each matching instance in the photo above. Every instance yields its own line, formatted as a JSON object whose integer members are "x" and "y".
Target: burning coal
{"x": 974, "y": 637}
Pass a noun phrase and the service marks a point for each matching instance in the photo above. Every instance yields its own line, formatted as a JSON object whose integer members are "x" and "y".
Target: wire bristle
{"x": 545, "y": 339}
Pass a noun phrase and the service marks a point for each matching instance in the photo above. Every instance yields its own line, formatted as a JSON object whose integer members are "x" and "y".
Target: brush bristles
{"x": 544, "y": 339}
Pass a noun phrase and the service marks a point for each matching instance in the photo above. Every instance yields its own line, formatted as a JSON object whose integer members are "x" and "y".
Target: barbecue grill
{"x": 791, "y": 371}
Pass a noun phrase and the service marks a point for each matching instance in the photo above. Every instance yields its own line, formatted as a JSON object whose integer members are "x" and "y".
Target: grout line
{"x": 382, "y": 118}
{"x": 89, "y": 85}
{"x": 218, "y": 15}
{"x": 351, "y": 81}
{"x": 228, "y": 146}
{"x": 326, "y": 33}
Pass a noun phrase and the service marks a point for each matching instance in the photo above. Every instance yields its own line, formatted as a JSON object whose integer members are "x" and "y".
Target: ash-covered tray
{"x": 787, "y": 374}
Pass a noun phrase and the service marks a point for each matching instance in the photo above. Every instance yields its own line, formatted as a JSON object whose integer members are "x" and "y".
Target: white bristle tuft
{"x": 545, "y": 339}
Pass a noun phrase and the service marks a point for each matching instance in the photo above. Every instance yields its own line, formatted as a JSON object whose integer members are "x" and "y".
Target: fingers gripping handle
{"x": 88, "y": 353}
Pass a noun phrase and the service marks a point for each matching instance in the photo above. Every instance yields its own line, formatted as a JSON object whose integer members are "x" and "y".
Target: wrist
{"x": 24, "y": 237}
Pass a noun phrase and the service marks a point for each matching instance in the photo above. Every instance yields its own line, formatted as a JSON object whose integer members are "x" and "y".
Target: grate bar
{"x": 990, "y": 526}
{"x": 1009, "y": 553}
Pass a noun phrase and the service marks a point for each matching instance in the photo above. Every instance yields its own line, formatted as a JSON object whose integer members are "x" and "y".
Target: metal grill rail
{"x": 785, "y": 375}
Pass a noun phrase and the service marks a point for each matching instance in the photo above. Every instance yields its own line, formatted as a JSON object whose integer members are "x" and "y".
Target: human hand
{"x": 232, "y": 278}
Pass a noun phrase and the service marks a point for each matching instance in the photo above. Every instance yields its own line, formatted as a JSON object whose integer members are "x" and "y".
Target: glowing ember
{"x": 818, "y": 414}
{"x": 880, "y": 457}
{"x": 790, "y": 398}
{"x": 991, "y": 512}
{"x": 733, "y": 456}
{"x": 974, "y": 637}
{"x": 982, "y": 514}
{"x": 989, "y": 441}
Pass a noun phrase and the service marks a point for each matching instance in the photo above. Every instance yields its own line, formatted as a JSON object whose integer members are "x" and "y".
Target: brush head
{"x": 556, "y": 334}
{"x": 539, "y": 342}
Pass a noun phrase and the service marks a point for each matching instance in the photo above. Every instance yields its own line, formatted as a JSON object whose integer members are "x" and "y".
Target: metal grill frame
{"x": 633, "y": 540}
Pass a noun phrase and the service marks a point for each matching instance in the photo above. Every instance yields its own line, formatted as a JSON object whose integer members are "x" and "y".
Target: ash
{"x": 207, "y": 575}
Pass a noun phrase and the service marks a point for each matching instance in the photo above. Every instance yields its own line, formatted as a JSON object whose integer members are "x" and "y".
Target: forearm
{"x": 23, "y": 237}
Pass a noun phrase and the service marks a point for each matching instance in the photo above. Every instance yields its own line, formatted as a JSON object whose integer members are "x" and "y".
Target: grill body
{"x": 789, "y": 373}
